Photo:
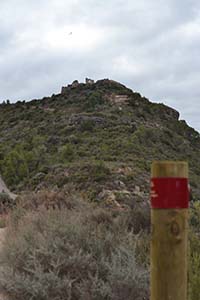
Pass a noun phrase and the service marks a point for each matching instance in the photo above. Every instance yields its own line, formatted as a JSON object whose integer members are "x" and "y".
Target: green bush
{"x": 93, "y": 101}
{"x": 99, "y": 171}
{"x": 14, "y": 167}
{"x": 67, "y": 152}
{"x": 87, "y": 125}
{"x": 93, "y": 173}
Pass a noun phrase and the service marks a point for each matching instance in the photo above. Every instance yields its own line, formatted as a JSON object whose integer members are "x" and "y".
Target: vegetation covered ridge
{"x": 100, "y": 137}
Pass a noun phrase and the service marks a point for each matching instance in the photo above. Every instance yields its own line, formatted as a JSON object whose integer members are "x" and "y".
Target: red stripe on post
{"x": 169, "y": 192}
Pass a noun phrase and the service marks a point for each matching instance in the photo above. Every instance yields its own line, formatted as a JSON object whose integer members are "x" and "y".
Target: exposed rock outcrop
{"x": 4, "y": 189}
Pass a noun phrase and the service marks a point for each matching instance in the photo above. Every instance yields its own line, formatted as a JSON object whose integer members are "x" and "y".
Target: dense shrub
{"x": 87, "y": 125}
{"x": 65, "y": 255}
{"x": 81, "y": 251}
{"x": 194, "y": 265}
{"x": 138, "y": 220}
{"x": 14, "y": 167}
{"x": 93, "y": 101}
{"x": 67, "y": 152}
{"x": 6, "y": 202}
{"x": 95, "y": 172}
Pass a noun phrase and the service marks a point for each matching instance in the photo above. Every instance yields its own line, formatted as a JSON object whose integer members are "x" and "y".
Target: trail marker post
{"x": 169, "y": 218}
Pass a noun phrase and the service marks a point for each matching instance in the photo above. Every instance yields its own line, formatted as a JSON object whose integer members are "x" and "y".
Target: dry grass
{"x": 80, "y": 253}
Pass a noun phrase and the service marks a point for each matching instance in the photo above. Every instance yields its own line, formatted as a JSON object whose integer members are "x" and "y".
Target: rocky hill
{"x": 98, "y": 138}
{"x": 96, "y": 142}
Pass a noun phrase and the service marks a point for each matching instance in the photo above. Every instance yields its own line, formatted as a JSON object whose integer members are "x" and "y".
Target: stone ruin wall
{"x": 75, "y": 84}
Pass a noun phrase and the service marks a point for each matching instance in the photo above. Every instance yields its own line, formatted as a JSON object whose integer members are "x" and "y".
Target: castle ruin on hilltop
{"x": 75, "y": 84}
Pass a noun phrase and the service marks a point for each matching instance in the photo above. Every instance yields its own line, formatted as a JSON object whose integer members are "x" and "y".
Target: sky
{"x": 151, "y": 46}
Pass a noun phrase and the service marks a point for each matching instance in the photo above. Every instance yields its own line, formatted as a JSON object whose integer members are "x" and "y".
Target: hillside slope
{"x": 99, "y": 138}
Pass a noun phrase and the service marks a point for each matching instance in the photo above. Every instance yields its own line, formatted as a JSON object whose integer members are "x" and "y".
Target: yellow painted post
{"x": 169, "y": 218}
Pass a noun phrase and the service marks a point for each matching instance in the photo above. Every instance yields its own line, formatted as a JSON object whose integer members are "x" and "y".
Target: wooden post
{"x": 169, "y": 217}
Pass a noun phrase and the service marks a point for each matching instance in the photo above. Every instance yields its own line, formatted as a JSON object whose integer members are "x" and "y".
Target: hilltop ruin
{"x": 75, "y": 84}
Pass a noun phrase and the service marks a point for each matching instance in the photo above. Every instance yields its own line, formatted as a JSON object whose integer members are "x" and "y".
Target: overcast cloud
{"x": 152, "y": 46}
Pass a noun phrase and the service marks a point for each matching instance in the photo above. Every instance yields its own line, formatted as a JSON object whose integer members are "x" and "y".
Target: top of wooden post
{"x": 172, "y": 169}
